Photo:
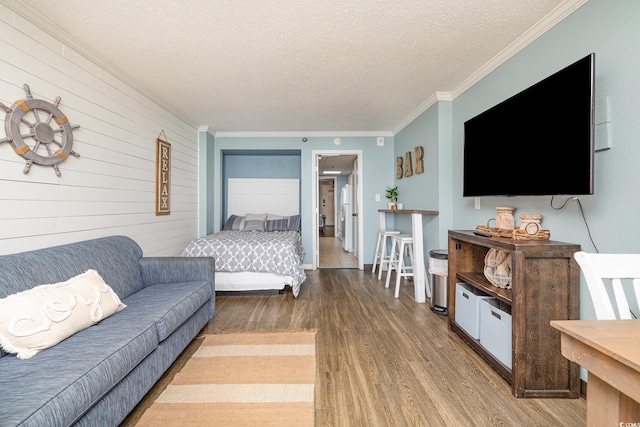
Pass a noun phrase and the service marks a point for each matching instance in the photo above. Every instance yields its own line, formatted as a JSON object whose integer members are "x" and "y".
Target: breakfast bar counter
{"x": 419, "y": 279}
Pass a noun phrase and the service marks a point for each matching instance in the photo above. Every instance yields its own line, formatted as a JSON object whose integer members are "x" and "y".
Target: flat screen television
{"x": 538, "y": 142}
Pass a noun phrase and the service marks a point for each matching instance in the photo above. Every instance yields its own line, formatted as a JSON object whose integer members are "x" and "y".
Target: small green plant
{"x": 392, "y": 194}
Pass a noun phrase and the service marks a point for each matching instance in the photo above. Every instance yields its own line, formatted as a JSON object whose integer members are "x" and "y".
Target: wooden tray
{"x": 516, "y": 234}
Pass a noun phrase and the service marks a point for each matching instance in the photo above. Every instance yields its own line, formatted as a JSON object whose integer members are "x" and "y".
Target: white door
{"x": 354, "y": 209}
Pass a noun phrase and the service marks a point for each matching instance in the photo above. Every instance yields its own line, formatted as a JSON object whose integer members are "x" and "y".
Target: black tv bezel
{"x": 513, "y": 99}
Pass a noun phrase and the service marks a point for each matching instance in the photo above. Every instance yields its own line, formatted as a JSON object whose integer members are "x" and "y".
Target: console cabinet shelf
{"x": 545, "y": 287}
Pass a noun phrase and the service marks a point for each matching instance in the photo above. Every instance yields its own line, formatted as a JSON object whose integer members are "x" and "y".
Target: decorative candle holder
{"x": 504, "y": 218}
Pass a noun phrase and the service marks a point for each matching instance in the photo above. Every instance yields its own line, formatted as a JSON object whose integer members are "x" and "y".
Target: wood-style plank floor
{"x": 332, "y": 255}
{"x": 390, "y": 362}
{"x": 383, "y": 361}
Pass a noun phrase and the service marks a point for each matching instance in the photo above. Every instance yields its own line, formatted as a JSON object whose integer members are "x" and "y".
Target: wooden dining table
{"x": 610, "y": 351}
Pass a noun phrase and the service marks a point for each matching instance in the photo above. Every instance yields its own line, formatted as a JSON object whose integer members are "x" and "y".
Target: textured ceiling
{"x": 293, "y": 65}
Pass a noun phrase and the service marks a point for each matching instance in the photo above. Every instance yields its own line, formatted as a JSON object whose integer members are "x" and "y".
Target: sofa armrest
{"x": 157, "y": 270}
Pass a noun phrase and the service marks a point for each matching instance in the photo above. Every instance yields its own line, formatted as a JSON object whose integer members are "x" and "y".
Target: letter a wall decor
{"x": 163, "y": 176}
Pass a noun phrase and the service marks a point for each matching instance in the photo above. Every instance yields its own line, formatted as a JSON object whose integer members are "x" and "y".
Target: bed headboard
{"x": 251, "y": 195}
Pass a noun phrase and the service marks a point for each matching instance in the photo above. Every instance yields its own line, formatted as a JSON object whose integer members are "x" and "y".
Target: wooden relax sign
{"x": 163, "y": 177}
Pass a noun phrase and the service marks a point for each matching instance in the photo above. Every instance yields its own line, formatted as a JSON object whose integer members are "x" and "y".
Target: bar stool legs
{"x": 400, "y": 243}
{"x": 381, "y": 258}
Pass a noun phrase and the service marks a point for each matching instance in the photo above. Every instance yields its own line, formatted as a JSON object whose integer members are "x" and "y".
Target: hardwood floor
{"x": 383, "y": 361}
{"x": 332, "y": 255}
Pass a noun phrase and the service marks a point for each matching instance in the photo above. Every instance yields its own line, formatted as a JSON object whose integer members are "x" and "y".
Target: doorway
{"x": 327, "y": 207}
{"x": 337, "y": 198}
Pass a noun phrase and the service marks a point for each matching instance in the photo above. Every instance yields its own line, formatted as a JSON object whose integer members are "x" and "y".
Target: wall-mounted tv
{"x": 538, "y": 142}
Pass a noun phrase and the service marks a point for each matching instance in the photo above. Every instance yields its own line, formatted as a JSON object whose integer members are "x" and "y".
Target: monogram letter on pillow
{"x": 42, "y": 316}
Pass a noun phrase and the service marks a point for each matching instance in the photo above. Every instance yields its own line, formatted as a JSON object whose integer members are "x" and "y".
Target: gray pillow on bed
{"x": 254, "y": 222}
{"x": 277, "y": 224}
{"x": 294, "y": 223}
{"x": 234, "y": 222}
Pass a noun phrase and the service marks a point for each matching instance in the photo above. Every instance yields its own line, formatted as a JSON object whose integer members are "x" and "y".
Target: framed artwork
{"x": 163, "y": 177}
{"x": 399, "y": 167}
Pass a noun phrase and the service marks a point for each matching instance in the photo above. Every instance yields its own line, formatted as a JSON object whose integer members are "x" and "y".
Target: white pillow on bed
{"x": 273, "y": 216}
{"x": 254, "y": 222}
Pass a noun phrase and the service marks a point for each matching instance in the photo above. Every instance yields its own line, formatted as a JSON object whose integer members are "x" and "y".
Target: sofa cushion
{"x": 41, "y": 317}
{"x": 115, "y": 258}
{"x": 59, "y": 384}
{"x": 168, "y": 305}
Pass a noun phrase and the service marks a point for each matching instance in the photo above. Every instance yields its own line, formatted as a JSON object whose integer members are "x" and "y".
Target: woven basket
{"x": 497, "y": 268}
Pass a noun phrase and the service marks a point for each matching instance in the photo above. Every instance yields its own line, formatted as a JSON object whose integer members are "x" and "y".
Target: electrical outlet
{"x": 477, "y": 202}
{"x": 377, "y": 197}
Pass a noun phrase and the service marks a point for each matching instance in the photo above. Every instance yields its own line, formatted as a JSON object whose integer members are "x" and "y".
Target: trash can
{"x": 438, "y": 273}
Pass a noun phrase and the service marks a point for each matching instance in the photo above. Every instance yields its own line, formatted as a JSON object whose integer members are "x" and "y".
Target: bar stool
{"x": 400, "y": 243}
{"x": 381, "y": 256}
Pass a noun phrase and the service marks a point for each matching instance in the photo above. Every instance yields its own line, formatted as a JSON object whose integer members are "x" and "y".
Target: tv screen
{"x": 538, "y": 142}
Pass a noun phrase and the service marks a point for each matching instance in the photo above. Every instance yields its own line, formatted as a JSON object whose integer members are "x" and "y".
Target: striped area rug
{"x": 242, "y": 379}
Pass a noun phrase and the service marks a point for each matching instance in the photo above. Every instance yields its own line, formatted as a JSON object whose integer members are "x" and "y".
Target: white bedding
{"x": 251, "y": 281}
{"x": 278, "y": 253}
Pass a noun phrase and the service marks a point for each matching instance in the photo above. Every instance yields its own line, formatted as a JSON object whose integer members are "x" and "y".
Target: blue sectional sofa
{"x": 98, "y": 375}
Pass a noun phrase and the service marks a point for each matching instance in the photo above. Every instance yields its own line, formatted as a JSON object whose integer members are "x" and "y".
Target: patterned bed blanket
{"x": 278, "y": 252}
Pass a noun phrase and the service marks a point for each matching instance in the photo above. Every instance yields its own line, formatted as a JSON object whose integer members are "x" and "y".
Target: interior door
{"x": 355, "y": 210}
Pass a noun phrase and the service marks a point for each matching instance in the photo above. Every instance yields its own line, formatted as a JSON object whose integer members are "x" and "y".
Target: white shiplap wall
{"x": 110, "y": 189}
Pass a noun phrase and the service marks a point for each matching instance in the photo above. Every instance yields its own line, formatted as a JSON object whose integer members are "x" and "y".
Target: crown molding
{"x": 206, "y": 129}
{"x": 40, "y": 21}
{"x": 416, "y": 113}
{"x": 299, "y": 134}
{"x": 561, "y": 11}
{"x": 545, "y": 24}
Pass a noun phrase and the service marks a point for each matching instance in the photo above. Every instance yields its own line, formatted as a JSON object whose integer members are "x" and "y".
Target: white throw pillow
{"x": 273, "y": 216}
{"x": 42, "y": 316}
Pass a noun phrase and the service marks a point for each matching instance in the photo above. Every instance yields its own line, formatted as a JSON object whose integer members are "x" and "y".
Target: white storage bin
{"x": 495, "y": 329}
{"x": 468, "y": 309}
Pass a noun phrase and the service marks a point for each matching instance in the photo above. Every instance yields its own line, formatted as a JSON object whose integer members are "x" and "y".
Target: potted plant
{"x": 392, "y": 195}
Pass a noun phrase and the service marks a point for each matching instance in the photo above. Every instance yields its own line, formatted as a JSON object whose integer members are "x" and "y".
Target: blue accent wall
{"x": 377, "y": 171}
{"x": 261, "y": 164}
{"x": 268, "y": 164}
{"x": 611, "y": 30}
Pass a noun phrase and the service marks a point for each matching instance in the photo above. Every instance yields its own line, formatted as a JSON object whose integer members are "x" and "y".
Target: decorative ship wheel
{"x": 33, "y": 137}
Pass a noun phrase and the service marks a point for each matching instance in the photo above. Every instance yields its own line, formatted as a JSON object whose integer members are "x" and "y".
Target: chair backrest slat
{"x": 597, "y": 268}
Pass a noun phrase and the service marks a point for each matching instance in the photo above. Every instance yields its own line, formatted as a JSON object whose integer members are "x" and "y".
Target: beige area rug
{"x": 242, "y": 379}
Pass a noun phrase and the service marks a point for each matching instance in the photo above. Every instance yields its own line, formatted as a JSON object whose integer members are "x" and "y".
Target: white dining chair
{"x": 614, "y": 272}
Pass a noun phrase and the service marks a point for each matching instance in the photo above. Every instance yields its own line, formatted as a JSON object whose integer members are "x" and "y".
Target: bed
{"x": 257, "y": 251}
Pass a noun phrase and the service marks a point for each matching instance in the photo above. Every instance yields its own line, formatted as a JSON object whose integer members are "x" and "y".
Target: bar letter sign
{"x": 163, "y": 177}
